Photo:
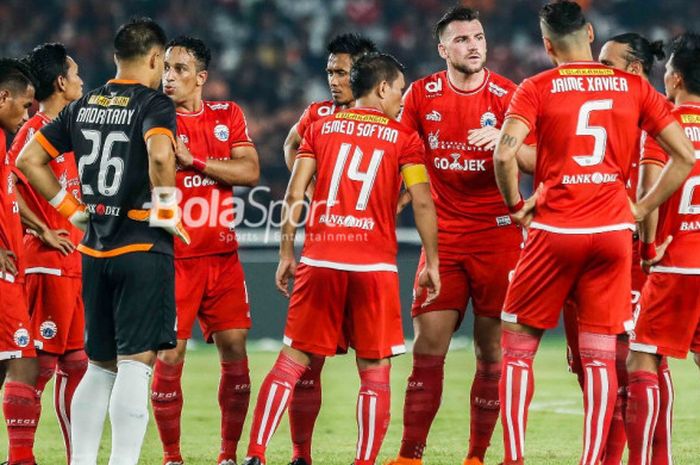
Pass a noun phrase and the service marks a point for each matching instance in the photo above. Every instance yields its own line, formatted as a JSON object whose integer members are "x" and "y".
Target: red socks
{"x": 20, "y": 406}
{"x": 234, "y": 397}
{"x": 484, "y": 407}
{"x": 515, "y": 390}
{"x": 599, "y": 392}
{"x": 642, "y": 414}
{"x": 69, "y": 371}
{"x": 303, "y": 409}
{"x": 423, "y": 394}
{"x": 617, "y": 439}
{"x": 166, "y": 399}
{"x": 373, "y": 413}
{"x": 273, "y": 399}
{"x": 661, "y": 453}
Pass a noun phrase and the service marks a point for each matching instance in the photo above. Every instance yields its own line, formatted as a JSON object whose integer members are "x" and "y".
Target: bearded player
{"x": 343, "y": 51}
{"x": 634, "y": 54}
{"x": 580, "y": 240}
{"x": 214, "y": 153}
{"x": 458, "y": 112}
{"x": 669, "y": 318}
{"x": 346, "y": 287}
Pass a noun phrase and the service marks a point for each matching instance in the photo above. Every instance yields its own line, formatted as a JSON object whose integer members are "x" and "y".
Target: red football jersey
{"x": 38, "y": 257}
{"x": 315, "y": 112}
{"x": 586, "y": 117}
{"x": 10, "y": 223}
{"x": 352, "y": 220}
{"x": 679, "y": 216}
{"x": 208, "y": 207}
{"x": 462, "y": 179}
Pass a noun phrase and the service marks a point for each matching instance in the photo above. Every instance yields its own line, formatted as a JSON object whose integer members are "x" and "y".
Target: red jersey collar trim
{"x": 692, "y": 104}
{"x": 42, "y": 116}
{"x": 192, "y": 113}
{"x": 482, "y": 86}
{"x": 374, "y": 110}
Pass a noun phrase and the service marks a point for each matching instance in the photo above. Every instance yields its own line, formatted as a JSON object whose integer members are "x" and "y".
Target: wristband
{"x": 65, "y": 203}
{"x": 647, "y": 250}
{"x": 517, "y": 207}
{"x": 199, "y": 164}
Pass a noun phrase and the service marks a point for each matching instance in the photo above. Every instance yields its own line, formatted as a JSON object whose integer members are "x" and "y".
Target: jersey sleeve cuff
{"x": 663, "y": 124}
{"x": 161, "y": 131}
{"x": 243, "y": 143}
{"x": 521, "y": 118}
{"x": 46, "y": 145}
{"x": 305, "y": 155}
{"x": 652, "y": 161}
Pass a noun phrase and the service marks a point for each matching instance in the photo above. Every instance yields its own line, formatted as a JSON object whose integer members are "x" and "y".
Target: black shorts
{"x": 129, "y": 304}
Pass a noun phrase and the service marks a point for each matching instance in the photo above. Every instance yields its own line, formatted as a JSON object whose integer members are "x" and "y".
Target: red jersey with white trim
{"x": 462, "y": 179}
{"x": 10, "y": 223}
{"x": 207, "y": 206}
{"x": 586, "y": 115}
{"x": 352, "y": 220}
{"x": 679, "y": 216}
{"x": 315, "y": 112}
{"x": 39, "y": 257}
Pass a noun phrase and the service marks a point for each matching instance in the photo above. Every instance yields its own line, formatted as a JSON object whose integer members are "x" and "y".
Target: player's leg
{"x": 303, "y": 411}
{"x": 661, "y": 447}
{"x": 642, "y": 405}
{"x": 573, "y": 357}
{"x": 617, "y": 438}
{"x": 373, "y": 408}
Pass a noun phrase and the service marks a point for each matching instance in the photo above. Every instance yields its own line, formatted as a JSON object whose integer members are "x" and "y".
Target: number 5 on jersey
{"x": 367, "y": 178}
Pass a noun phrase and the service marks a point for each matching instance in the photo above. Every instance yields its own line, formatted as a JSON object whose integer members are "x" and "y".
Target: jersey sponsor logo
{"x": 221, "y": 132}
{"x": 21, "y": 337}
{"x": 435, "y": 143}
{"x": 497, "y": 90}
{"x": 101, "y": 209}
{"x": 184, "y": 138}
{"x": 589, "y": 84}
{"x": 593, "y": 178}
{"x": 690, "y": 119}
{"x": 197, "y": 180}
{"x": 325, "y": 110}
{"x": 586, "y": 72}
{"x": 457, "y": 164}
{"x": 488, "y": 119}
{"x": 111, "y": 101}
{"x": 363, "y": 117}
{"x": 48, "y": 329}
{"x": 434, "y": 87}
{"x": 504, "y": 220}
{"x": 433, "y": 116}
{"x": 348, "y": 221}
{"x": 218, "y": 106}
{"x": 690, "y": 226}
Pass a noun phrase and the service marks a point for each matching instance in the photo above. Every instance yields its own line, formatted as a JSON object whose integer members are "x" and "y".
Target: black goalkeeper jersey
{"x": 107, "y": 129}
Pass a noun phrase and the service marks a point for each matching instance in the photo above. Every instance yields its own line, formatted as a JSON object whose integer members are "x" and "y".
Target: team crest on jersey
{"x": 21, "y": 337}
{"x": 221, "y": 132}
{"x": 48, "y": 329}
{"x": 218, "y": 106}
{"x": 488, "y": 119}
{"x": 433, "y": 116}
{"x": 184, "y": 138}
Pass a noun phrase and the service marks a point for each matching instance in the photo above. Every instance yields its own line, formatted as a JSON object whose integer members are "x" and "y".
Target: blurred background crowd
{"x": 269, "y": 55}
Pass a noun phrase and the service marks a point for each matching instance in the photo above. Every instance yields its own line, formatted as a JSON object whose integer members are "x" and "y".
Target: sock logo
{"x": 21, "y": 422}
{"x": 489, "y": 404}
{"x": 164, "y": 396}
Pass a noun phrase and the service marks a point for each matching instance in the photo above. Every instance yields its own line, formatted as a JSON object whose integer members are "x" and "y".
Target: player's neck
{"x": 53, "y": 105}
{"x": 686, "y": 97}
{"x": 191, "y": 105}
{"x": 574, "y": 55}
{"x": 134, "y": 73}
{"x": 368, "y": 103}
{"x": 466, "y": 82}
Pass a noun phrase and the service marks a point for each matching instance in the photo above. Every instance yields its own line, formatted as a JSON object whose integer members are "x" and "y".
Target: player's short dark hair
{"x": 137, "y": 37}
{"x": 562, "y": 17}
{"x": 456, "y": 13}
{"x": 371, "y": 69}
{"x": 196, "y": 47}
{"x": 640, "y": 49}
{"x": 48, "y": 61}
{"x": 353, "y": 44}
{"x": 685, "y": 59}
{"x": 16, "y": 75}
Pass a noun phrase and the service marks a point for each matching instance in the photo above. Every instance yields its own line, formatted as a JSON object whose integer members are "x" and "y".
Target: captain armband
{"x": 414, "y": 174}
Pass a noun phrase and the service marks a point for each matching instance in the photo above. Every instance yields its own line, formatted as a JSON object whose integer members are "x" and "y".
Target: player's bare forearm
{"x": 291, "y": 145}
{"x": 527, "y": 158}
{"x": 682, "y": 159}
{"x": 243, "y": 169}
{"x": 27, "y": 216}
{"x": 505, "y": 163}
{"x": 161, "y": 161}
{"x": 302, "y": 173}
{"x": 426, "y": 220}
{"x": 33, "y": 162}
{"x": 648, "y": 176}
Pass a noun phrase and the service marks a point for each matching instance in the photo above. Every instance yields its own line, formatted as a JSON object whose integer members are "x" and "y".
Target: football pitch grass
{"x": 555, "y": 422}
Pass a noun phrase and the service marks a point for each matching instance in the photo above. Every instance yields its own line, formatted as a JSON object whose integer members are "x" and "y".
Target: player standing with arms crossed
{"x": 124, "y": 135}
{"x": 457, "y": 113}
{"x": 343, "y": 51}
{"x": 580, "y": 240}
{"x": 214, "y": 153}
{"x": 346, "y": 289}
{"x": 53, "y": 268}
{"x": 20, "y": 402}
{"x": 669, "y": 319}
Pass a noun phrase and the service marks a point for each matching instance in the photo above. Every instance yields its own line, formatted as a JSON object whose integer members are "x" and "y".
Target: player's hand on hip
{"x": 524, "y": 216}
{"x": 285, "y": 271}
{"x": 485, "y": 137}
{"x": 7, "y": 262}
{"x": 57, "y": 239}
{"x": 429, "y": 278}
{"x": 637, "y": 211}
{"x": 183, "y": 155}
{"x": 660, "y": 251}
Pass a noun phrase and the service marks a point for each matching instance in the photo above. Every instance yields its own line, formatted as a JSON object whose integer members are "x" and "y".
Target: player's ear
{"x": 202, "y": 77}
{"x": 382, "y": 89}
{"x": 60, "y": 83}
{"x": 635, "y": 68}
{"x": 442, "y": 51}
{"x": 548, "y": 47}
{"x": 4, "y": 95}
{"x": 591, "y": 33}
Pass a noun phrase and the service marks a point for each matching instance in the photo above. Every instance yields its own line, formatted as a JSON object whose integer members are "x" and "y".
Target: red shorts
{"x": 594, "y": 269}
{"x": 332, "y": 309}
{"x": 15, "y": 328}
{"x": 481, "y": 277}
{"x": 57, "y": 314}
{"x": 211, "y": 288}
{"x": 669, "y": 322}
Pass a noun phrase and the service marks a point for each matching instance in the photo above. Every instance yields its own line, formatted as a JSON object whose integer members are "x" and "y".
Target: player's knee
{"x": 488, "y": 351}
{"x": 697, "y": 359}
{"x": 231, "y": 344}
{"x": 23, "y": 370}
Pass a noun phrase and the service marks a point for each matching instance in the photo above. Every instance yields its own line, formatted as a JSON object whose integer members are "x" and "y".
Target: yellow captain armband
{"x": 414, "y": 174}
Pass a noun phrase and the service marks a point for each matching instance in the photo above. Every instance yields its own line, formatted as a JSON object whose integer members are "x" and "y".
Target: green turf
{"x": 554, "y": 435}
